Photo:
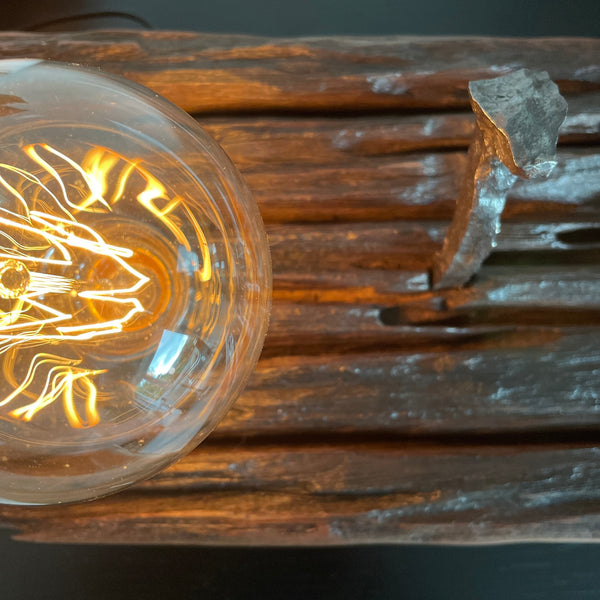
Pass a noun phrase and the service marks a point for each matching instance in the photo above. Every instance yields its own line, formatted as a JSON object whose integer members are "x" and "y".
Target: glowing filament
{"x": 42, "y": 245}
{"x": 62, "y": 377}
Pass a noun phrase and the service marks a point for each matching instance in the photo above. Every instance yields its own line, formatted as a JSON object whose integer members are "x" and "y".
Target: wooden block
{"x": 380, "y": 411}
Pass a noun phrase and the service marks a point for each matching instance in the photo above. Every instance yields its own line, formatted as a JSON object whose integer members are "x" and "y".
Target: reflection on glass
{"x": 168, "y": 351}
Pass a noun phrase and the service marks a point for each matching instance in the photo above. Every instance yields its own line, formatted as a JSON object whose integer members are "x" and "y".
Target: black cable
{"x": 87, "y": 16}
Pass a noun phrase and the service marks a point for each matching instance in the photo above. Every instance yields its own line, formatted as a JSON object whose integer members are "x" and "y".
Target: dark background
{"x": 316, "y": 17}
{"x": 525, "y": 572}
{"x": 515, "y": 572}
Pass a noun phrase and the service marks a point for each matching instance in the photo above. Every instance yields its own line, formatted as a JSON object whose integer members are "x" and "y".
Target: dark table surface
{"x": 520, "y": 572}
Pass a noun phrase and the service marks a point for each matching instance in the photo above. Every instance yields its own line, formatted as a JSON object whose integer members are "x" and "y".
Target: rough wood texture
{"x": 201, "y": 72}
{"x": 347, "y": 493}
{"x": 381, "y": 411}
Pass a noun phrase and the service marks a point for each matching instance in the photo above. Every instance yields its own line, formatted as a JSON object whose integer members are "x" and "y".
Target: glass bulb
{"x": 134, "y": 283}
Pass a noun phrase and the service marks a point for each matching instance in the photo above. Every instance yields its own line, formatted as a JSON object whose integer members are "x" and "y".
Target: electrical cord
{"x": 88, "y": 17}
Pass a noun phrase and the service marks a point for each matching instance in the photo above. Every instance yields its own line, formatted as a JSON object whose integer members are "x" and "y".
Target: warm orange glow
{"x": 60, "y": 379}
{"x": 41, "y": 245}
{"x": 97, "y": 166}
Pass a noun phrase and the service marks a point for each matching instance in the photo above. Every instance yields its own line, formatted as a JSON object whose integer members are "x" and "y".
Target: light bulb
{"x": 134, "y": 283}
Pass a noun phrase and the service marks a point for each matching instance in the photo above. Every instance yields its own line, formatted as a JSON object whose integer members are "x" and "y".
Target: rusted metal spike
{"x": 518, "y": 116}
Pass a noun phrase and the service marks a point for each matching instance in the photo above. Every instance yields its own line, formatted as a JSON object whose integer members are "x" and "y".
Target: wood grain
{"x": 501, "y": 380}
{"x": 216, "y": 73}
{"x": 417, "y": 186}
{"x": 310, "y": 140}
{"x": 343, "y": 494}
{"x": 307, "y": 254}
{"x": 380, "y": 411}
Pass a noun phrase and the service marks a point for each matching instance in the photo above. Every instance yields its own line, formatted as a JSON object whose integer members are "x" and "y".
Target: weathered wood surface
{"x": 464, "y": 386}
{"x": 319, "y": 494}
{"x": 216, "y": 73}
{"x": 380, "y": 411}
